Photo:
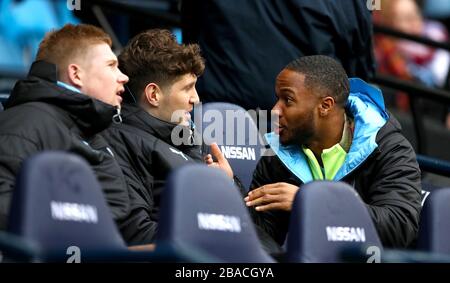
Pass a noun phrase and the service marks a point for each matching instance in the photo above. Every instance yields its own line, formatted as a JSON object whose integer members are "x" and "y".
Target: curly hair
{"x": 324, "y": 76}
{"x": 155, "y": 56}
{"x": 71, "y": 41}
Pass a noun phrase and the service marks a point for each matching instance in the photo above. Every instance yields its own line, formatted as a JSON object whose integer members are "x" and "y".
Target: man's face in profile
{"x": 297, "y": 109}
{"x": 178, "y": 100}
{"x": 100, "y": 75}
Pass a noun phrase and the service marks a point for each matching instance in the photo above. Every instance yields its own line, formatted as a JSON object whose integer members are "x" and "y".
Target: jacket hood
{"x": 41, "y": 86}
{"x": 366, "y": 105}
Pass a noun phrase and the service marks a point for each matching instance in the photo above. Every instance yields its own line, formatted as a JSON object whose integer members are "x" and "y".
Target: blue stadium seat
{"x": 58, "y": 206}
{"x": 239, "y": 139}
{"x": 434, "y": 165}
{"x": 328, "y": 219}
{"x": 202, "y": 210}
{"x": 434, "y": 230}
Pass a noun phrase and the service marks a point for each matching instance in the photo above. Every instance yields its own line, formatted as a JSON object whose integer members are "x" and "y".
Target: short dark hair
{"x": 155, "y": 56}
{"x": 323, "y": 75}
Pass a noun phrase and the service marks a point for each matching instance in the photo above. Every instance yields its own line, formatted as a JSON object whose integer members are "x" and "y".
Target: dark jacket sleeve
{"x": 109, "y": 175}
{"x": 275, "y": 222}
{"x": 394, "y": 192}
{"x": 139, "y": 228}
{"x": 13, "y": 151}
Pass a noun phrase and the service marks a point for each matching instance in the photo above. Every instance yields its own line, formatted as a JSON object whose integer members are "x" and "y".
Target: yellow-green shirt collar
{"x": 332, "y": 158}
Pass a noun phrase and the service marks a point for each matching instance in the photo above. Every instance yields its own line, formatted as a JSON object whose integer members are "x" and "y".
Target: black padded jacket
{"x": 41, "y": 115}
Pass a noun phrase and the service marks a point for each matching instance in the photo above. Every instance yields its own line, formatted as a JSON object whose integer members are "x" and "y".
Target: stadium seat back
{"x": 236, "y": 133}
{"x": 202, "y": 209}
{"x": 328, "y": 218}
{"x": 58, "y": 203}
{"x": 434, "y": 230}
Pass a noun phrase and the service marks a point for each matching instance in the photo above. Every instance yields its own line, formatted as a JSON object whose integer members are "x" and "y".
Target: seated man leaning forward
{"x": 72, "y": 92}
{"x": 157, "y": 134}
{"x": 335, "y": 128}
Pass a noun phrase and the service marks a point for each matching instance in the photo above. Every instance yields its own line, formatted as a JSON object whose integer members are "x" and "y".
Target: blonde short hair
{"x": 62, "y": 46}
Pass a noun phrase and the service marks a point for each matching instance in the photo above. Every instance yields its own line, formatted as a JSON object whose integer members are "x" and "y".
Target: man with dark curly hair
{"x": 160, "y": 96}
{"x": 335, "y": 128}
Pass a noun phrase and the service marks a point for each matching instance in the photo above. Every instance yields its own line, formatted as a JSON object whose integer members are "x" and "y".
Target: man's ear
{"x": 326, "y": 105}
{"x": 74, "y": 75}
{"x": 152, "y": 94}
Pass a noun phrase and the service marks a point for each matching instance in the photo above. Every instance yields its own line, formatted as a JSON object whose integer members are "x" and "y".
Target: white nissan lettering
{"x": 64, "y": 211}
{"x": 237, "y": 152}
{"x": 345, "y": 234}
{"x": 219, "y": 222}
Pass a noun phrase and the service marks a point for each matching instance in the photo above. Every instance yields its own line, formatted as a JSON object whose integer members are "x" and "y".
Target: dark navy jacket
{"x": 246, "y": 43}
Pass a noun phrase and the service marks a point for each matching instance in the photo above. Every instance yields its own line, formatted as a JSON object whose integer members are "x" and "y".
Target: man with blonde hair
{"x": 72, "y": 92}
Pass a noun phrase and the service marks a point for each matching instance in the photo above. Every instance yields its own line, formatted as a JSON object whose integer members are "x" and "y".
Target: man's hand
{"x": 278, "y": 196}
{"x": 222, "y": 162}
